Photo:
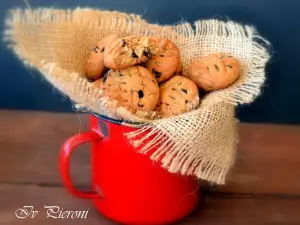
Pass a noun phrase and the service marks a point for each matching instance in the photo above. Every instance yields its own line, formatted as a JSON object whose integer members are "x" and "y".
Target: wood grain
{"x": 231, "y": 211}
{"x": 268, "y": 156}
{"x": 30, "y": 143}
{"x": 215, "y": 210}
{"x": 15, "y": 196}
{"x": 262, "y": 188}
{"x": 268, "y": 160}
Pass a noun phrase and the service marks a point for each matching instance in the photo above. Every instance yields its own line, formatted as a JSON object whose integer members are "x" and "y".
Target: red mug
{"x": 127, "y": 186}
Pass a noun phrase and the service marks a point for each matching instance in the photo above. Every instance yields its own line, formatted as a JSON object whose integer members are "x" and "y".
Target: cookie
{"x": 127, "y": 51}
{"x": 179, "y": 68}
{"x": 178, "y": 71}
{"x": 94, "y": 67}
{"x": 178, "y": 95}
{"x": 165, "y": 60}
{"x": 134, "y": 88}
{"x": 214, "y": 72}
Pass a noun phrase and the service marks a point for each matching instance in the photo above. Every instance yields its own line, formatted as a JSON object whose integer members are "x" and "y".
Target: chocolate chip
{"x": 96, "y": 49}
{"x": 162, "y": 56}
{"x": 121, "y": 74}
{"x": 157, "y": 74}
{"x": 140, "y": 105}
{"x": 229, "y": 66}
{"x": 174, "y": 73}
{"x": 123, "y": 42}
{"x": 186, "y": 101}
{"x": 172, "y": 97}
{"x": 134, "y": 55}
{"x": 147, "y": 53}
{"x": 217, "y": 68}
{"x": 184, "y": 90}
{"x": 102, "y": 50}
{"x": 167, "y": 104}
{"x": 141, "y": 94}
{"x": 173, "y": 89}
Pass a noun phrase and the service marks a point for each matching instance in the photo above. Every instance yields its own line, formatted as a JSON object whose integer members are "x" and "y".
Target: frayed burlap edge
{"x": 183, "y": 157}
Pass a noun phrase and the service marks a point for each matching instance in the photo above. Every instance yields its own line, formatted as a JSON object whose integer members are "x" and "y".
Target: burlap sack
{"x": 202, "y": 142}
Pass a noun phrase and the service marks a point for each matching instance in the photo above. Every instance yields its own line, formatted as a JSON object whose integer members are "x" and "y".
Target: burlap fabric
{"x": 202, "y": 142}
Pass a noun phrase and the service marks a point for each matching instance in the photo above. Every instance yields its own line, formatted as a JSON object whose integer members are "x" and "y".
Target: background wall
{"x": 274, "y": 19}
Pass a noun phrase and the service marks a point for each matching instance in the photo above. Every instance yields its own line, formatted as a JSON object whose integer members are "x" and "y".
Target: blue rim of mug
{"x": 115, "y": 121}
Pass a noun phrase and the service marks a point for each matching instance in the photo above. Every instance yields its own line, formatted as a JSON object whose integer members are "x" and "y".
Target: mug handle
{"x": 64, "y": 162}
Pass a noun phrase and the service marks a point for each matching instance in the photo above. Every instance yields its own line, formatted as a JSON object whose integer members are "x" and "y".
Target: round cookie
{"x": 178, "y": 95}
{"x": 134, "y": 88}
{"x": 166, "y": 59}
{"x": 178, "y": 71}
{"x": 94, "y": 66}
{"x": 179, "y": 68}
{"x": 127, "y": 51}
{"x": 214, "y": 72}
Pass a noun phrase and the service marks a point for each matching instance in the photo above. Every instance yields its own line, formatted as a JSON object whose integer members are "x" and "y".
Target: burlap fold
{"x": 202, "y": 142}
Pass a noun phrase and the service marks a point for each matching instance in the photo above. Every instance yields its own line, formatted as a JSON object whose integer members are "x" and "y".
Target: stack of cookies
{"x": 144, "y": 73}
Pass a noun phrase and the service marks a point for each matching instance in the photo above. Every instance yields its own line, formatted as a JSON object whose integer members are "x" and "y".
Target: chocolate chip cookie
{"x": 134, "y": 88}
{"x": 94, "y": 67}
{"x": 214, "y": 72}
{"x": 165, "y": 60}
{"x": 178, "y": 95}
{"x": 127, "y": 51}
{"x": 179, "y": 68}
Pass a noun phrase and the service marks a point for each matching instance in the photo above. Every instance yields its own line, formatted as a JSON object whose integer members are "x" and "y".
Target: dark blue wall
{"x": 276, "y": 20}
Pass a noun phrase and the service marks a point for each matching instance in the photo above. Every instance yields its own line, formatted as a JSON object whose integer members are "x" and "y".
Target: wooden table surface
{"x": 263, "y": 188}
